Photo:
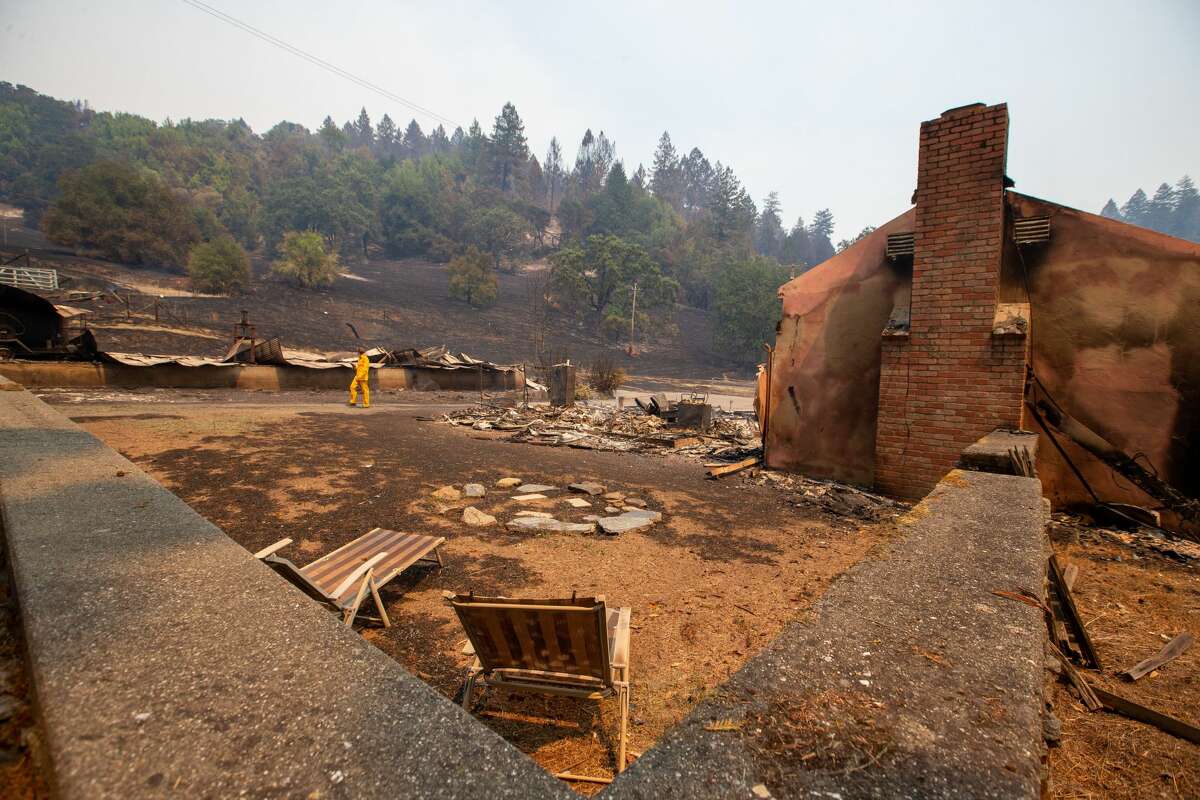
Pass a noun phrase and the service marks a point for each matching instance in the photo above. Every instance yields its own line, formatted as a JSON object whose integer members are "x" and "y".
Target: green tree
{"x": 1186, "y": 221}
{"x": 363, "y": 134}
{"x": 746, "y": 307}
{"x": 385, "y": 138}
{"x": 305, "y": 260}
{"x": 509, "y": 149}
{"x": 600, "y": 276}
{"x": 415, "y": 142}
{"x": 769, "y": 234}
{"x": 497, "y": 231}
{"x": 1161, "y": 209}
{"x": 1136, "y": 208}
{"x": 1111, "y": 211}
{"x": 555, "y": 175}
{"x": 127, "y": 215}
{"x": 220, "y": 266}
{"x": 666, "y": 177}
{"x": 472, "y": 278}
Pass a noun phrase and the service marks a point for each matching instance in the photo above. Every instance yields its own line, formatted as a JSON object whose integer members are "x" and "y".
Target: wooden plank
{"x": 1070, "y": 575}
{"x": 1172, "y": 650}
{"x": 571, "y": 776}
{"x": 719, "y": 472}
{"x": 686, "y": 441}
{"x": 1074, "y": 623}
{"x": 1128, "y": 708}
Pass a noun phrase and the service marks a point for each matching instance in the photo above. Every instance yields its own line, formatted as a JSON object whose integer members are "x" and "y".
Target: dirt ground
{"x": 20, "y": 777}
{"x": 708, "y": 587}
{"x": 1131, "y": 601}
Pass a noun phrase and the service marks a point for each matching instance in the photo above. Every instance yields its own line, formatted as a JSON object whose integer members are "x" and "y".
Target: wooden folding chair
{"x": 342, "y": 579}
{"x": 576, "y": 647}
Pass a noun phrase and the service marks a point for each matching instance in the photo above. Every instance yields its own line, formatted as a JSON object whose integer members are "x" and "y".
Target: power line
{"x": 316, "y": 60}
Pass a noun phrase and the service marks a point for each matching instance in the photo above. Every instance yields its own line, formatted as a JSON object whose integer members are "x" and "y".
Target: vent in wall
{"x": 1031, "y": 230}
{"x": 899, "y": 244}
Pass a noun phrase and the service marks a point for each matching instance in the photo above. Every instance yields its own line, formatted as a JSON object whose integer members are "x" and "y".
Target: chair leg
{"x": 623, "y": 699}
{"x": 468, "y": 690}
{"x": 352, "y": 611}
{"x": 387, "y": 623}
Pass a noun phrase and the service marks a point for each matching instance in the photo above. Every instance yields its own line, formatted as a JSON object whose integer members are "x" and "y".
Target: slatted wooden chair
{"x": 575, "y": 647}
{"x": 342, "y": 579}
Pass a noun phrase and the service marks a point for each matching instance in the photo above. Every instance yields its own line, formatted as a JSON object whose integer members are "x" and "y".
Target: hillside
{"x": 393, "y": 303}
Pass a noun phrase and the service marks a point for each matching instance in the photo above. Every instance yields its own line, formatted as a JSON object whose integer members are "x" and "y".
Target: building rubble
{"x": 733, "y": 437}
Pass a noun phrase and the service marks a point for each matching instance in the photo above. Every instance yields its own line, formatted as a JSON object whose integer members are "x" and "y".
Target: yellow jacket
{"x": 362, "y": 369}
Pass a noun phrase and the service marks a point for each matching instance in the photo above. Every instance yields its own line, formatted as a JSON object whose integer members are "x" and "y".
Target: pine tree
{"x": 555, "y": 174}
{"x": 796, "y": 248}
{"x": 1135, "y": 208}
{"x": 364, "y": 134}
{"x": 331, "y": 135}
{"x": 509, "y": 148}
{"x": 769, "y": 234}
{"x": 456, "y": 138}
{"x": 415, "y": 143}
{"x": 385, "y": 137}
{"x": 666, "y": 177}
{"x": 1161, "y": 211}
{"x": 639, "y": 178}
{"x": 820, "y": 236}
{"x": 439, "y": 142}
{"x": 697, "y": 180}
{"x": 535, "y": 182}
{"x": 1186, "y": 221}
{"x": 1111, "y": 211}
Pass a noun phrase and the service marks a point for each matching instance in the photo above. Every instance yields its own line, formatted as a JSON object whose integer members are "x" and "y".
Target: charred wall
{"x": 1116, "y": 340}
{"x": 824, "y": 393}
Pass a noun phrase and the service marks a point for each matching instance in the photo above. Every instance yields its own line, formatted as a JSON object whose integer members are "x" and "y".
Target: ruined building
{"x": 908, "y": 346}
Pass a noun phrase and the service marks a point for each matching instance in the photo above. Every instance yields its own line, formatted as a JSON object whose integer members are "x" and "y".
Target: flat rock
{"x": 543, "y": 514}
{"x": 629, "y": 521}
{"x": 629, "y": 501}
{"x": 592, "y": 518}
{"x": 529, "y": 498}
{"x": 612, "y": 510}
{"x": 587, "y": 487}
{"x": 474, "y": 490}
{"x": 508, "y": 483}
{"x": 448, "y": 494}
{"x": 617, "y": 496}
{"x": 477, "y": 519}
{"x": 549, "y": 525}
{"x": 535, "y": 488}
{"x": 578, "y": 502}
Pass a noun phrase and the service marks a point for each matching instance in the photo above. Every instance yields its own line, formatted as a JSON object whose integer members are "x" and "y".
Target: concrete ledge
{"x": 990, "y": 454}
{"x": 910, "y": 658}
{"x": 167, "y": 661}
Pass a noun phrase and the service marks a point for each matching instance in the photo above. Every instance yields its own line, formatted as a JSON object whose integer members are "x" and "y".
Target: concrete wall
{"x": 1116, "y": 339}
{"x": 825, "y": 371}
{"x": 72, "y": 374}
{"x": 167, "y": 662}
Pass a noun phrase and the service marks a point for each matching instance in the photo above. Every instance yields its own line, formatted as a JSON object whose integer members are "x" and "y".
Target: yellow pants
{"x": 354, "y": 384}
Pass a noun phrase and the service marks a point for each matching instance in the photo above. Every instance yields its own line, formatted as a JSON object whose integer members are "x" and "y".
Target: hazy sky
{"x": 820, "y": 102}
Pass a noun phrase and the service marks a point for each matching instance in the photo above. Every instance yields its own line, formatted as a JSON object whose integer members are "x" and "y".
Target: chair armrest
{"x": 355, "y": 576}
{"x": 270, "y": 551}
{"x": 619, "y": 653}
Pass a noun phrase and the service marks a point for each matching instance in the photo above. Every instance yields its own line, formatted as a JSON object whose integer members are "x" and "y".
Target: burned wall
{"x": 1116, "y": 340}
{"x": 824, "y": 392}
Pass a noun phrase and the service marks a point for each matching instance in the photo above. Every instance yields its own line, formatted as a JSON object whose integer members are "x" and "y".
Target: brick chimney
{"x": 950, "y": 380}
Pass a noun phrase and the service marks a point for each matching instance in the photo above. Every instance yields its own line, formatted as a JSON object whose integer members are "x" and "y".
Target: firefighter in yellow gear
{"x": 362, "y": 373}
